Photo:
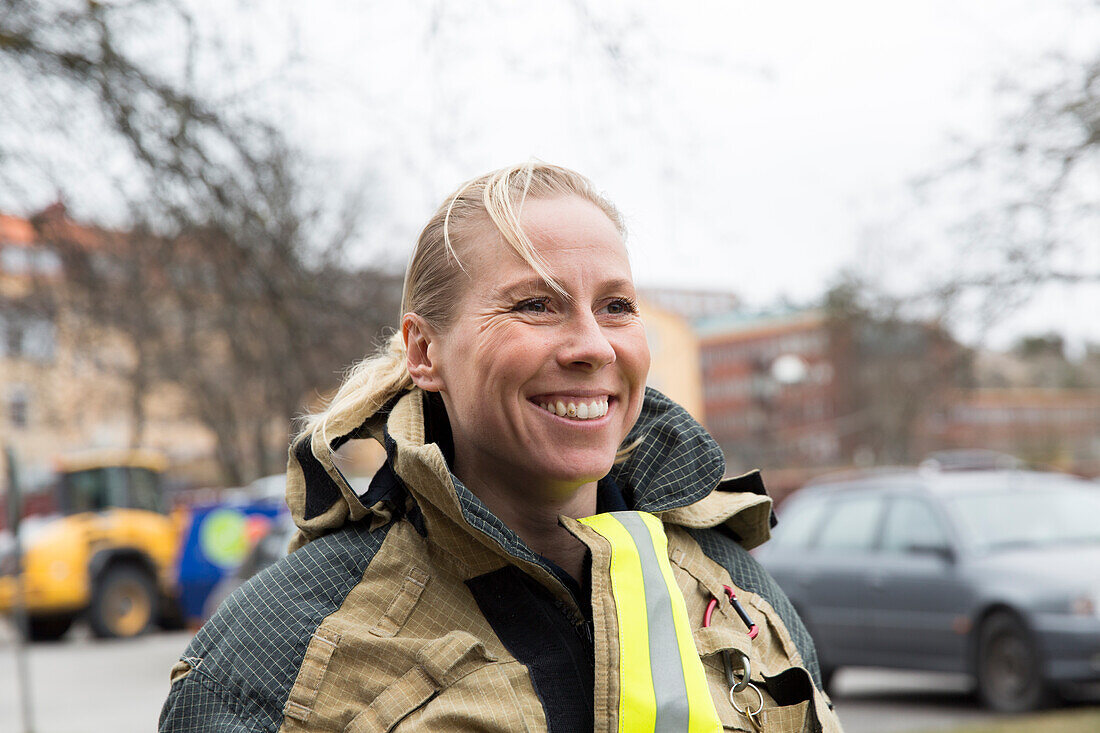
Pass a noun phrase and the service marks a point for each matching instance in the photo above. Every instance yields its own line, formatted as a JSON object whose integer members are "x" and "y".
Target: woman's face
{"x": 517, "y": 353}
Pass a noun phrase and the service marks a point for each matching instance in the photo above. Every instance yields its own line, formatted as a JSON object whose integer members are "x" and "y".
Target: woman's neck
{"x": 534, "y": 517}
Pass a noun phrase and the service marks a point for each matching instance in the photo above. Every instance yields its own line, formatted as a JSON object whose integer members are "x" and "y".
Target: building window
{"x": 18, "y": 406}
{"x": 11, "y": 343}
{"x": 16, "y": 260}
{"x": 27, "y": 337}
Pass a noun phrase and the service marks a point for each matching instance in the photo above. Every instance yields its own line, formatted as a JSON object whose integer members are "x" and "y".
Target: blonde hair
{"x": 432, "y": 278}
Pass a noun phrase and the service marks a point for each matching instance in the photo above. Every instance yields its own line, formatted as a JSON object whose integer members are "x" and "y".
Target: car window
{"x": 86, "y": 491}
{"x": 911, "y": 522}
{"x": 797, "y": 522}
{"x": 1015, "y": 518}
{"x": 851, "y": 524}
{"x": 144, "y": 490}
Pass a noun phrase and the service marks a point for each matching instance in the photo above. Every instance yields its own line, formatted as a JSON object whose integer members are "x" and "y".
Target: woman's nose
{"x": 585, "y": 344}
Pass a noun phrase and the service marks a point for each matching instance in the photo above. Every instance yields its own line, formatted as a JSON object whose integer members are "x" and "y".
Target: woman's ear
{"x": 421, "y": 343}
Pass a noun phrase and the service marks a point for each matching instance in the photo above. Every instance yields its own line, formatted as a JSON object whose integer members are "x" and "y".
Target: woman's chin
{"x": 578, "y": 470}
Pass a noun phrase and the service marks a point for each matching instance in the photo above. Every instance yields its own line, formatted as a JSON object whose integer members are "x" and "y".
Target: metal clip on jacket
{"x": 737, "y": 685}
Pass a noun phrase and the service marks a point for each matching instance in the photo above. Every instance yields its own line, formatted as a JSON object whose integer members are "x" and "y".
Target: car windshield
{"x": 1026, "y": 518}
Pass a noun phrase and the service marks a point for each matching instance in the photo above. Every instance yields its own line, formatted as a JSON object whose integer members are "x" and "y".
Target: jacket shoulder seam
{"x": 247, "y": 710}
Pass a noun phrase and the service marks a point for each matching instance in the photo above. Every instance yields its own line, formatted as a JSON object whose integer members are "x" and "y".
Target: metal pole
{"x": 22, "y": 673}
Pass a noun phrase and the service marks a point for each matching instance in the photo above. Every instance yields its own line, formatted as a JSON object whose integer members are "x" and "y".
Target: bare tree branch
{"x": 218, "y": 281}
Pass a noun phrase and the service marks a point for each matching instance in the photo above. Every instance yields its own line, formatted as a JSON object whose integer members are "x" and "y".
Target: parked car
{"x": 991, "y": 573}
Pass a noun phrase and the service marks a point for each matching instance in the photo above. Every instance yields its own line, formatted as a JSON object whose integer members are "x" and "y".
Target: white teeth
{"x": 576, "y": 410}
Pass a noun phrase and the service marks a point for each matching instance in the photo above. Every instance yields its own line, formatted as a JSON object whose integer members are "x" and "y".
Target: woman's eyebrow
{"x": 525, "y": 286}
{"x": 620, "y": 283}
{"x": 537, "y": 286}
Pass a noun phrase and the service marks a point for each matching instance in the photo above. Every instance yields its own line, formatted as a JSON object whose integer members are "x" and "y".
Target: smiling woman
{"x": 516, "y": 345}
{"x": 546, "y": 537}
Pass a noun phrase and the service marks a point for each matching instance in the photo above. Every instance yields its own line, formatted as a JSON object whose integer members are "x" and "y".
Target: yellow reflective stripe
{"x": 704, "y": 718}
{"x": 637, "y": 701}
{"x": 665, "y": 659}
{"x": 639, "y": 549}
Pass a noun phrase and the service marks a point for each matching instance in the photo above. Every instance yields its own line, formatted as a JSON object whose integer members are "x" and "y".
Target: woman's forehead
{"x": 497, "y": 266}
{"x": 567, "y": 219}
{"x": 561, "y": 231}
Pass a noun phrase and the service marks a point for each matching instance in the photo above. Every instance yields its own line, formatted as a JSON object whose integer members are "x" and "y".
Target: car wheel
{"x": 124, "y": 603}
{"x": 48, "y": 628}
{"x": 1009, "y": 673}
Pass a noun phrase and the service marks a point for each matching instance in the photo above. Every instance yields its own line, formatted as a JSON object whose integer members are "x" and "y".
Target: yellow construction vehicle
{"x": 106, "y": 550}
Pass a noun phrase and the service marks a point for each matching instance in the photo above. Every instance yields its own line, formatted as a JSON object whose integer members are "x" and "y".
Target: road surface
{"x": 87, "y": 685}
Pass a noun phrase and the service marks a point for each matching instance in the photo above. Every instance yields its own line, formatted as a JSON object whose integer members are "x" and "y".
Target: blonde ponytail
{"x": 368, "y": 386}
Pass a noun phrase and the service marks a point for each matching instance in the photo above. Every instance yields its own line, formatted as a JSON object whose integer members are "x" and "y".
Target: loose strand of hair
{"x": 447, "y": 226}
{"x": 369, "y": 384}
{"x": 504, "y": 213}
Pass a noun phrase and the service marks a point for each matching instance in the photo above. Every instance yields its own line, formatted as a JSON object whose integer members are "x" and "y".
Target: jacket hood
{"x": 675, "y": 472}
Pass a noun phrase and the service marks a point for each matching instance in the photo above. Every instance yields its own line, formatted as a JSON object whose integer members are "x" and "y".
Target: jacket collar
{"x": 673, "y": 472}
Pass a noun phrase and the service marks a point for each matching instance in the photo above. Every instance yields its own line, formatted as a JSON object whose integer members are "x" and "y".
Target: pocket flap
{"x": 789, "y": 719}
{"x": 453, "y": 656}
{"x": 713, "y": 639}
{"x": 438, "y": 665}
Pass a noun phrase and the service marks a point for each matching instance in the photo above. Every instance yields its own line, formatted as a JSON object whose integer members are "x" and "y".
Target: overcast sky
{"x": 758, "y": 147}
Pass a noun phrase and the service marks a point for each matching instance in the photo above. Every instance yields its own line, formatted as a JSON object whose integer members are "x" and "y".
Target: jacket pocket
{"x": 785, "y": 705}
{"x": 455, "y": 684}
{"x": 769, "y": 714}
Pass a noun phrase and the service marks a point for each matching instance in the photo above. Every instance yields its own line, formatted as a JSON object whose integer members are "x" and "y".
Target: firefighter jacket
{"x": 411, "y": 607}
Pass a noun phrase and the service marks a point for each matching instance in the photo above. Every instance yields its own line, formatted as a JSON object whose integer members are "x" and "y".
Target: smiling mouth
{"x": 575, "y": 409}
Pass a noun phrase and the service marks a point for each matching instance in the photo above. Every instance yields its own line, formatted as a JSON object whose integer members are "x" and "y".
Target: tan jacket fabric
{"x": 407, "y": 647}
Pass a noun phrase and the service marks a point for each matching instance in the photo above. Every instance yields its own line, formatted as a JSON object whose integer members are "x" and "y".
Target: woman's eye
{"x": 621, "y": 306}
{"x": 534, "y": 305}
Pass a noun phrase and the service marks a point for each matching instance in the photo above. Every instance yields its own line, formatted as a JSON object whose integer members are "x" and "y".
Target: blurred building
{"x": 770, "y": 393}
{"x": 64, "y": 379}
{"x": 800, "y": 391}
{"x": 762, "y": 383}
{"x": 674, "y": 356}
{"x": 690, "y": 304}
{"x": 1055, "y": 427}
